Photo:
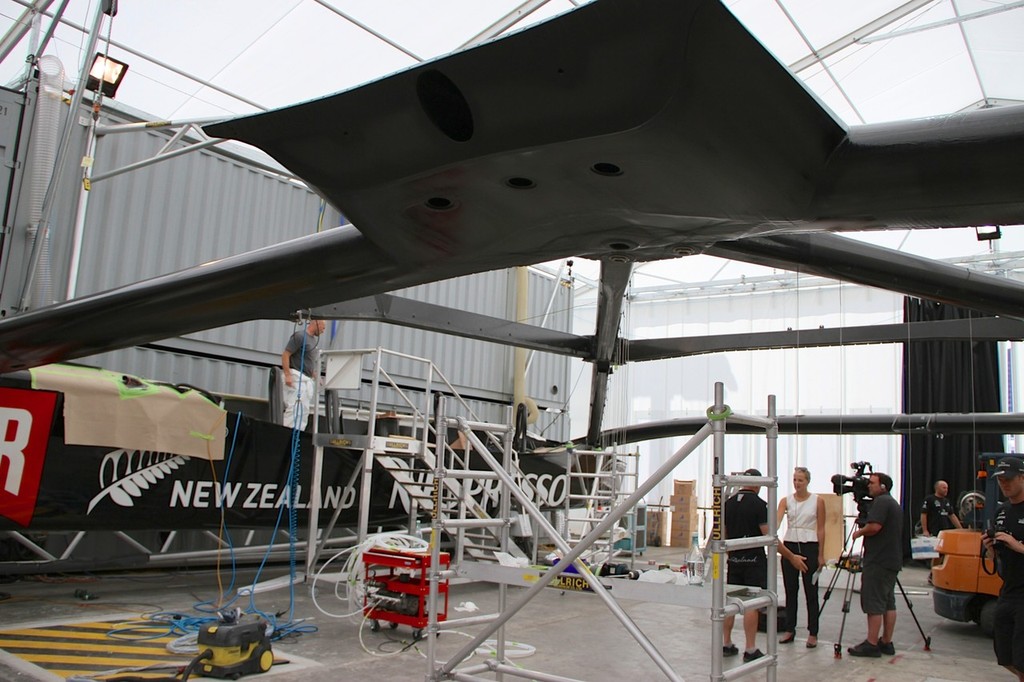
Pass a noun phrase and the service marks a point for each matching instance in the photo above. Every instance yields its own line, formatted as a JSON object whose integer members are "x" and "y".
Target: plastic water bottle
{"x": 695, "y": 562}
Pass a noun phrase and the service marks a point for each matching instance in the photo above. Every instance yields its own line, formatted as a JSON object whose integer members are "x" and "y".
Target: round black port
{"x": 606, "y": 169}
{"x": 439, "y": 203}
{"x": 520, "y": 183}
{"x": 445, "y": 105}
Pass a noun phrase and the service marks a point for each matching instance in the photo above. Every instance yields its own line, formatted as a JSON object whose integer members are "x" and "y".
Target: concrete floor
{"x": 573, "y": 634}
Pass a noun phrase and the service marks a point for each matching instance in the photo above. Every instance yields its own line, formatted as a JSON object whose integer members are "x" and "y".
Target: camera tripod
{"x": 852, "y": 565}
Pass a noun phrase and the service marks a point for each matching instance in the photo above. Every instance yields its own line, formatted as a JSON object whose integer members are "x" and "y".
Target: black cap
{"x": 751, "y": 472}
{"x": 1009, "y": 466}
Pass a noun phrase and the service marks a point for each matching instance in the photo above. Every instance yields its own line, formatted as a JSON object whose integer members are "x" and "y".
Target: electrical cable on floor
{"x": 362, "y": 626}
{"x": 350, "y": 574}
{"x": 105, "y": 675}
{"x": 224, "y": 532}
{"x": 359, "y": 604}
{"x": 489, "y": 648}
{"x": 185, "y": 672}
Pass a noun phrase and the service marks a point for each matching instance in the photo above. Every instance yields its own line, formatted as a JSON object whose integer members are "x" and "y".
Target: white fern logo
{"x": 124, "y": 474}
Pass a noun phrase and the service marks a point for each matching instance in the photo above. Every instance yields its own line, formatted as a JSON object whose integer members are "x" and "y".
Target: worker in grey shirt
{"x": 300, "y": 368}
{"x": 883, "y": 558}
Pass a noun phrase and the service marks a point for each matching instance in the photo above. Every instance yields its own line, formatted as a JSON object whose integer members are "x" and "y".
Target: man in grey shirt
{"x": 300, "y": 370}
{"x": 881, "y": 564}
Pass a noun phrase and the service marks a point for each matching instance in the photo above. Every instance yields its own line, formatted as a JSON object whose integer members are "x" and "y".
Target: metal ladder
{"x": 604, "y": 479}
{"x": 721, "y": 604}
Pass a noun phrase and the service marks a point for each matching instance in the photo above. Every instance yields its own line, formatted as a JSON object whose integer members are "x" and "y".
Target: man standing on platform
{"x": 301, "y": 370}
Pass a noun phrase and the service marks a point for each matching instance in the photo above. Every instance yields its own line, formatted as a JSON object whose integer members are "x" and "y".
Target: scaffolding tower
{"x": 722, "y": 603}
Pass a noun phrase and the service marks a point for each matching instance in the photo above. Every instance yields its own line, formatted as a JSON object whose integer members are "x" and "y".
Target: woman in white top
{"x": 803, "y": 553}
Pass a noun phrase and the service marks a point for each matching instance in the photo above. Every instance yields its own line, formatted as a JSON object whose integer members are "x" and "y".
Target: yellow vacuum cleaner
{"x": 236, "y": 645}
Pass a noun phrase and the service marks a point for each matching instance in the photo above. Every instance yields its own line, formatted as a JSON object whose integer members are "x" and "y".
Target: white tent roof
{"x": 869, "y": 60}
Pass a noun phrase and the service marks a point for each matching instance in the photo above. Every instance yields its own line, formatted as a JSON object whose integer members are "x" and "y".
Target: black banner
{"x": 98, "y": 488}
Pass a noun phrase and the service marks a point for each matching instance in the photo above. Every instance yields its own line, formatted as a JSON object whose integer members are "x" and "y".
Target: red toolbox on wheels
{"x": 397, "y": 586}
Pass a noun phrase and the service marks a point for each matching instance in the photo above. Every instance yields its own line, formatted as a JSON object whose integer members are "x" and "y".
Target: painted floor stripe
{"x": 123, "y": 636}
{"x": 65, "y": 650}
{"x": 112, "y": 661}
{"x": 141, "y": 675}
{"x": 13, "y": 645}
{"x": 88, "y": 648}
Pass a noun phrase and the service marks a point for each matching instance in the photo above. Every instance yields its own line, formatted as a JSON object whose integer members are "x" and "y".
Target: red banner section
{"x": 25, "y": 421}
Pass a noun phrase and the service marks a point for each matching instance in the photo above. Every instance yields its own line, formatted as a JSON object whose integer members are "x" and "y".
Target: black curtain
{"x": 945, "y": 376}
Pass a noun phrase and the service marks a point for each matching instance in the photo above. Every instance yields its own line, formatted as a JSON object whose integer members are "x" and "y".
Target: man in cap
{"x": 883, "y": 558}
{"x": 746, "y": 516}
{"x": 1005, "y": 540}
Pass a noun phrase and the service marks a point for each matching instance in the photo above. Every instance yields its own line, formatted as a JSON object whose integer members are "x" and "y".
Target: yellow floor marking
{"x": 112, "y": 661}
{"x": 159, "y": 675}
{"x": 72, "y": 634}
{"x": 163, "y": 675}
{"x": 78, "y": 646}
{"x": 89, "y": 648}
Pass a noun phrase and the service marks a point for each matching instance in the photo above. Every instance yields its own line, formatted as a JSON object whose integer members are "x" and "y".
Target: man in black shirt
{"x": 883, "y": 558}
{"x": 746, "y": 516}
{"x": 937, "y": 511}
{"x": 1007, "y": 541}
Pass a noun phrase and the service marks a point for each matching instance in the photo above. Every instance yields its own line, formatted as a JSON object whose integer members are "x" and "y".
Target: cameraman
{"x": 1005, "y": 540}
{"x": 883, "y": 557}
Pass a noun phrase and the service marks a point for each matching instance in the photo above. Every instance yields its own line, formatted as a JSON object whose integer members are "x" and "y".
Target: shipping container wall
{"x": 215, "y": 203}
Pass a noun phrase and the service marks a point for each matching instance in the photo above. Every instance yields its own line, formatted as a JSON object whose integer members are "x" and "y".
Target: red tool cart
{"x": 396, "y": 588}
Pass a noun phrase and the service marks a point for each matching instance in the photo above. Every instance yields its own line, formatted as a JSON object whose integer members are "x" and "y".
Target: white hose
{"x": 42, "y": 157}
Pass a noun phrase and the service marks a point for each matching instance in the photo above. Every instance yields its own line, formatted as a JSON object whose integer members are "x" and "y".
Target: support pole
{"x": 316, "y": 476}
{"x": 368, "y": 454}
{"x": 717, "y": 414}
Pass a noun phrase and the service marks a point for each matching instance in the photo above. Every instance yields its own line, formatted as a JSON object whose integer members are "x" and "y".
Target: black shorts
{"x": 1008, "y": 637}
{"x": 877, "y": 587}
{"x": 750, "y": 573}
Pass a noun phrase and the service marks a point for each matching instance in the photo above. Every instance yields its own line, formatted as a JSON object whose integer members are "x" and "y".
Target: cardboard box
{"x": 684, "y": 517}
{"x": 657, "y": 528}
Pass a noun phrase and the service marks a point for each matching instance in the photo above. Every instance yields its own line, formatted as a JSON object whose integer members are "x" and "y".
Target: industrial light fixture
{"x": 105, "y": 75}
{"x": 988, "y": 232}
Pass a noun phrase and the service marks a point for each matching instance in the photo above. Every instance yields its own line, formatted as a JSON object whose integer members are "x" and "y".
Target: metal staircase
{"x": 405, "y": 446}
{"x": 415, "y": 474}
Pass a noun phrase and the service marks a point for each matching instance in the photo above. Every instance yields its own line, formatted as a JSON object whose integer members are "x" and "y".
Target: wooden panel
{"x": 835, "y": 527}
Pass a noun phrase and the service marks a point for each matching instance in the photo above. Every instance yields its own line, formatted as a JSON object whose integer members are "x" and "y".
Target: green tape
{"x": 719, "y": 416}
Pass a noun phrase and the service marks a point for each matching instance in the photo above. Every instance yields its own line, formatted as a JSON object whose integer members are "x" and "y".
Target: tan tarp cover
{"x": 121, "y": 411}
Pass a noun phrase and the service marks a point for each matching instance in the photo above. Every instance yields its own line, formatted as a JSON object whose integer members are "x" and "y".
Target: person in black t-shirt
{"x": 937, "y": 511}
{"x": 746, "y": 516}
{"x": 1007, "y": 541}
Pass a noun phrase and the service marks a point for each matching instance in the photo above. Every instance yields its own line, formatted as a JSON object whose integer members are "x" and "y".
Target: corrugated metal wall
{"x": 211, "y": 204}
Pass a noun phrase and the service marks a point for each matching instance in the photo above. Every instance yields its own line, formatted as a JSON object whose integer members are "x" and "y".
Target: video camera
{"x": 858, "y": 485}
